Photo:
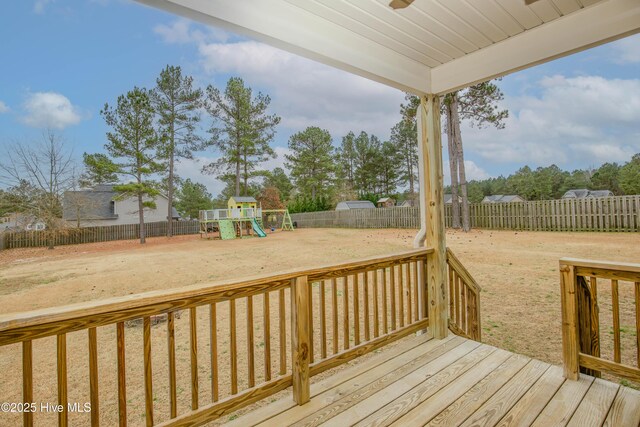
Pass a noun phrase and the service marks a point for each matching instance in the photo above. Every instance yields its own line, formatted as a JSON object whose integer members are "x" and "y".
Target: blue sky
{"x": 61, "y": 60}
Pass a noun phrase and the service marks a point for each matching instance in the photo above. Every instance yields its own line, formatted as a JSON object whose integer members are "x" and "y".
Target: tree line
{"x": 551, "y": 182}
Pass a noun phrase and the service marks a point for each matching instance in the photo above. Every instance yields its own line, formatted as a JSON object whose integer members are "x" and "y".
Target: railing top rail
{"x": 601, "y": 265}
{"x": 16, "y": 327}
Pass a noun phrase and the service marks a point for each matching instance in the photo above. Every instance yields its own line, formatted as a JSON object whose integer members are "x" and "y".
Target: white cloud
{"x": 40, "y": 5}
{"x": 627, "y": 50}
{"x": 50, "y": 110}
{"x": 3, "y": 107}
{"x": 573, "y": 122}
{"x": 180, "y": 31}
{"x": 306, "y": 93}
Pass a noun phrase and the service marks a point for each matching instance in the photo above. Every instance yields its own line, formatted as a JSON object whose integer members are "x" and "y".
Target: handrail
{"x": 464, "y": 300}
{"x": 157, "y": 302}
{"x": 337, "y": 313}
{"x": 581, "y": 317}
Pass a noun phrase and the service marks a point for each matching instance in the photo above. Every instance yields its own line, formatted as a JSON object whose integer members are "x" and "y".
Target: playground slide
{"x": 256, "y": 227}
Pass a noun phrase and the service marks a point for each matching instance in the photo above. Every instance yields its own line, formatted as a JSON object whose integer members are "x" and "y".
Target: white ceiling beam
{"x": 604, "y": 22}
{"x": 293, "y": 29}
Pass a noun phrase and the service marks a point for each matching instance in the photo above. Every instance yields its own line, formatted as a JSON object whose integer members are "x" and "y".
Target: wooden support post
{"x": 569, "y": 298}
{"x": 300, "y": 350}
{"x": 430, "y": 142}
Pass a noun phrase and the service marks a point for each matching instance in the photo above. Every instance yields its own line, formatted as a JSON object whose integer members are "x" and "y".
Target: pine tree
{"x": 311, "y": 161}
{"x": 367, "y": 155}
{"x": 278, "y": 178}
{"x": 241, "y": 131}
{"x": 191, "y": 198}
{"x": 132, "y": 150}
{"x": 176, "y": 104}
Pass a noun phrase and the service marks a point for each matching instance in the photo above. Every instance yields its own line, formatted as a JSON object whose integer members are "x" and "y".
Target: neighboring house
{"x": 386, "y": 202}
{"x": 409, "y": 203}
{"x": 19, "y": 222}
{"x": 355, "y": 204}
{"x": 503, "y": 198}
{"x": 583, "y": 193}
{"x": 448, "y": 199}
{"x": 101, "y": 205}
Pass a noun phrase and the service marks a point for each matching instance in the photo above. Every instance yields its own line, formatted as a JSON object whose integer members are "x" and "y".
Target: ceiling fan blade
{"x": 528, "y": 2}
{"x": 400, "y": 4}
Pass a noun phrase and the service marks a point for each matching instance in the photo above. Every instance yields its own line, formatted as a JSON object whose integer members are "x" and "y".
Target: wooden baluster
{"x": 62, "y": 379}
{"x": 300, "y": 339}
{"x": 213, "y": 338}
{"x": 267, "y": 336}
{"x": 392, "y": 291}
{"x": 193, "y": 344}
{"x": 251, "y": 374}
{"x": 310, "y": 314}
{"x": 345, "y": 299}
{"x": 356, "y": 310}
{"x": 424, "y": 271}
{"x": 171, "y": 349}
{"x": 283, "y": 334}
{"x": 376, "y": 309}
{"x": 595, "y": 317}
{"x": 385, "y": 304}
{"x": 401, "y": 294}
{"x": 334, "y": 313}
{"x": 637, "y": 298}
{"x": 463, "y": 305}
{"x": 93, "y": 377}
{"x": 615, "y": 304}
{"x": 451, "y": 294}
{"x": 416, "y": 294}
{"x": 233, "y": 346}
{"x": 122, "y": 382}
{"x": 409, "y": 292}
{"x": 458, "y": 313}
{"x": 367, "y": 333}
{"x": 148, "y": 375}
{"x": 27, "y": 381}
{"x": 323, "y": 323}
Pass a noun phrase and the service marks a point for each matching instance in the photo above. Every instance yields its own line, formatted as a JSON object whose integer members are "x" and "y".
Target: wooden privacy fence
{"x": 136, "y": 357}
{"x": 72, "y": 236}
{"x": 600, "y": 318}
{"x": 620, "y": 213}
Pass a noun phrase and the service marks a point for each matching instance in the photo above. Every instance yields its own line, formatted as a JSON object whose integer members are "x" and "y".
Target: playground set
{"x": 242, "y": 218}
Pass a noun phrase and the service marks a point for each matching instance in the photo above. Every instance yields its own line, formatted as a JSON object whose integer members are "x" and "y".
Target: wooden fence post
{"x": 569, "y": 299}
{"x": 300, "y": 339}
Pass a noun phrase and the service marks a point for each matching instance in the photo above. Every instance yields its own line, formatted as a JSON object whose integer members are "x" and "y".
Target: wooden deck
{"x": 454, "y": 382}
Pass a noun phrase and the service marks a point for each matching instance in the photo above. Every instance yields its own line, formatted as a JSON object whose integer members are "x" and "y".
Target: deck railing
{"x": 464, "y": 300}
{"x": 138, "y": 357}
{"x": 600, "y": 318}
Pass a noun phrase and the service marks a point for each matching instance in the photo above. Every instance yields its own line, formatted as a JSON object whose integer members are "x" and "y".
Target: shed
{"x": 386, "y": 202}
{"x": 355, "y": 204}
{"x": 448, "y": 199}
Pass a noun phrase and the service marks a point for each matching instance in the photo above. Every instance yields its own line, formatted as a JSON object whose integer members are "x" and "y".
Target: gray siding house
{"x": 503, "y": 198}
{"x": 583, "y": 193}
{"x": 103, "y": 206}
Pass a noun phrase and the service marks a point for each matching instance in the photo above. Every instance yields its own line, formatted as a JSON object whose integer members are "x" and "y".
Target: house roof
{"x": 432, "y": 46}
{"x": 385, "y": 200}
{"x": 502, "y": 198}
{"x": 581, "y": 193}
{"x": 356, "y": 204}
{"x": 244, "y": 199}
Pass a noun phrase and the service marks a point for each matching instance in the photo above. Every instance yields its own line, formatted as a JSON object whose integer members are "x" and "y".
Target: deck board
{"x": 455, "y": 381}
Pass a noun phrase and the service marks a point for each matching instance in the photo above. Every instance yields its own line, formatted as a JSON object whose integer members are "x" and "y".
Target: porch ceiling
{"x": 432, "y": 46}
